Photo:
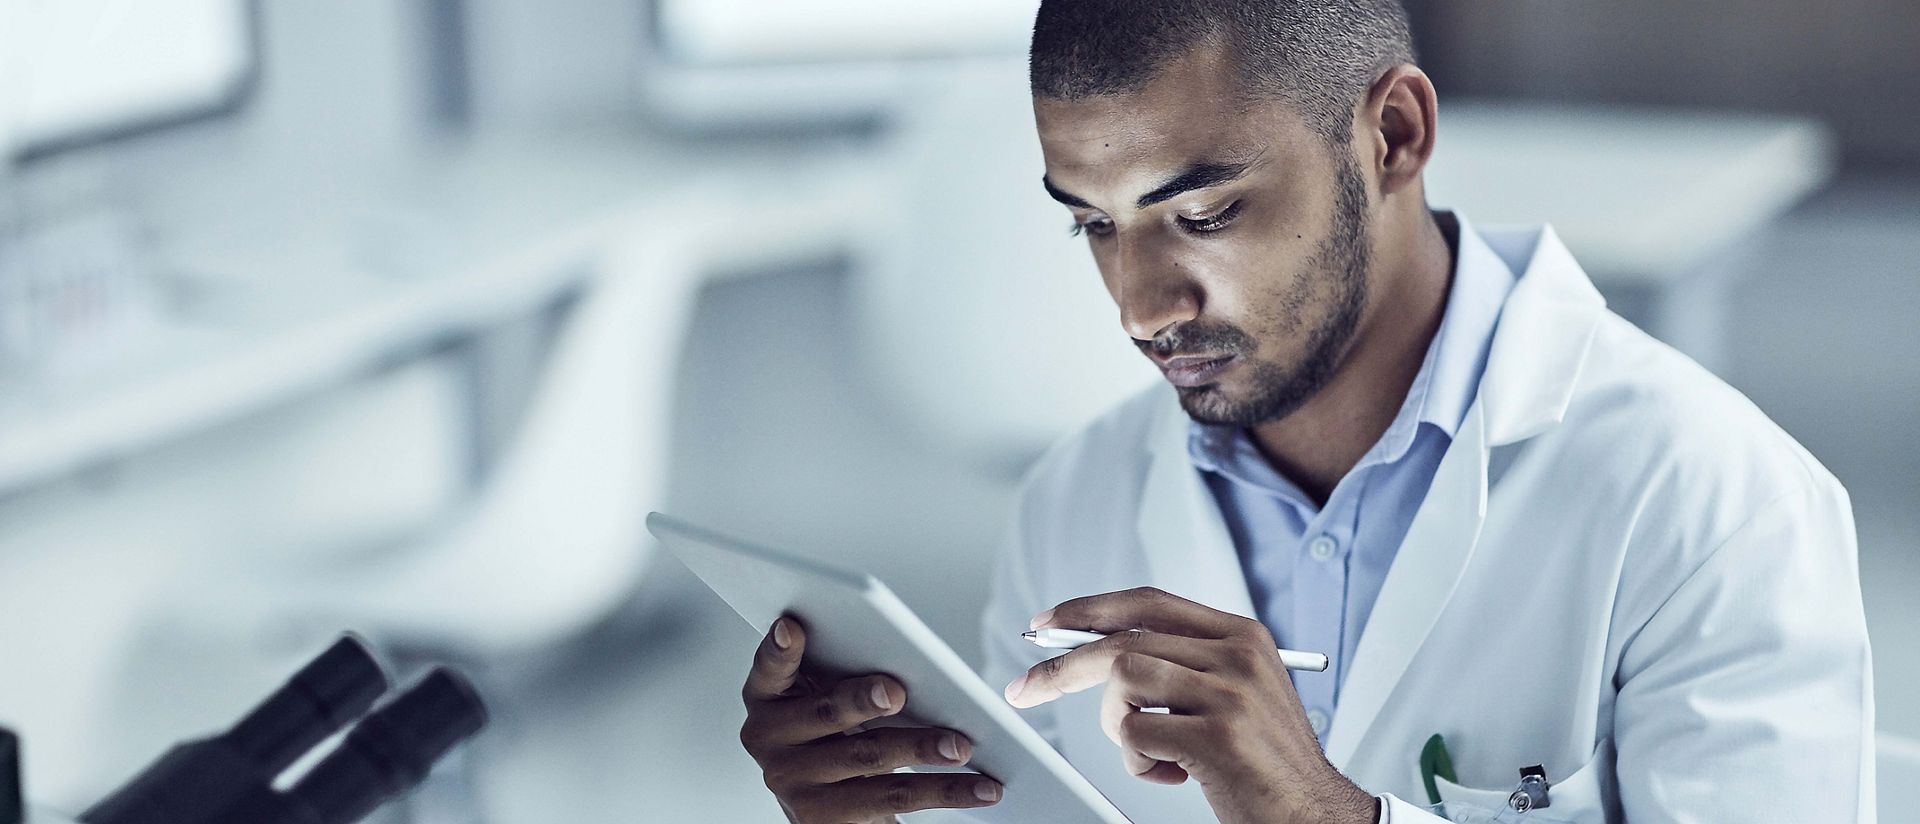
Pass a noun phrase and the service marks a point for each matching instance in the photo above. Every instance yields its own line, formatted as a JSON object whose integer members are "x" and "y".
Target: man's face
{"x": 1232, "y": 237}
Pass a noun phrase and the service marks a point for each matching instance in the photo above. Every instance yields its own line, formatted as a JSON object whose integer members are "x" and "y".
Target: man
{"x": 1524, "y": 533}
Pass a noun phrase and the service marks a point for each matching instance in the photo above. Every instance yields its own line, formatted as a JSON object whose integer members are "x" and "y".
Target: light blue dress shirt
{"x": 1314, "y": 571}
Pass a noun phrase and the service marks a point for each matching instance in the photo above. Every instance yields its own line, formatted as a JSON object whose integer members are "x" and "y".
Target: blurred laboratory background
{"x": 399, "y": 317}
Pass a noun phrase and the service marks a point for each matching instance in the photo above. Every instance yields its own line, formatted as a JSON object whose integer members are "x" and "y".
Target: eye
{"x": 1211, "y": 223}
{"x": 1098, "y": 227}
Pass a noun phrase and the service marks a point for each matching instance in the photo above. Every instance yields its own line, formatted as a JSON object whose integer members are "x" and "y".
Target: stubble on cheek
{"x": 1281, "y": 312}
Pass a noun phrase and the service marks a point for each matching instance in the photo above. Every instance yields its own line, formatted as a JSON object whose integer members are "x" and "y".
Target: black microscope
{"x": 230, "y": 778}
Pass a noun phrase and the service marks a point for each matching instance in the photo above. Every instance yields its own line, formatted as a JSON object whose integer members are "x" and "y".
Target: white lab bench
{"x": 297, "y": 292}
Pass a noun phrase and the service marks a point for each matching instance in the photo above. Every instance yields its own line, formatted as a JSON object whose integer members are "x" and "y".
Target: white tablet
{"x": 855, "y": 625}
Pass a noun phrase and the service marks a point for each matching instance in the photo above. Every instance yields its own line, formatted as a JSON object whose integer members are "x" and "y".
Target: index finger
{"x": 776, "y": 664}
{"x": 1147, "y": 608}
{"x": 1092, "y": 665}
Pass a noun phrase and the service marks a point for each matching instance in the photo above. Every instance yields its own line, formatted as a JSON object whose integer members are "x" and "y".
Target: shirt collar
{"x": 1441, "y": 391}
{"x": 1481, "y": 283}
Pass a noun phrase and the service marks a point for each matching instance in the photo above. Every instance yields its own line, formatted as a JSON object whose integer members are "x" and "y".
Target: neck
{"x": 1319, "y": 443}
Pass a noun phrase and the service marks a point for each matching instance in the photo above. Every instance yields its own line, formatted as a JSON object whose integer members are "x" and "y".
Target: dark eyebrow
{"x": 1063, "y": 197}
{"x": 1198, "y": 176}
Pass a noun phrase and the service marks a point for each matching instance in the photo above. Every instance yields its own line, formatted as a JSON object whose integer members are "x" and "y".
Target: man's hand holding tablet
{"x": 827, "y": 700}
{"x": 819, "y": 763}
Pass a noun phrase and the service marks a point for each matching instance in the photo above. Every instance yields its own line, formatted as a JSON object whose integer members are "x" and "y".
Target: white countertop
{"x": 391, "y": 267}
{"x": 1639, "y": 195}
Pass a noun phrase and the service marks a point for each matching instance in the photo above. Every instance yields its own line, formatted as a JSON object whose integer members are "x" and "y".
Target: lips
{"x": 1191, "y": 371}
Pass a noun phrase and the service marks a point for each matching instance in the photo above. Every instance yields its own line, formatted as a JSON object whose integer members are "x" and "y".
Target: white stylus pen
{"x": 1051, "y": 638}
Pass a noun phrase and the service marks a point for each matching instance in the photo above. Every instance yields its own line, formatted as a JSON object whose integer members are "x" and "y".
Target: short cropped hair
{"x": 1321, "y": 56}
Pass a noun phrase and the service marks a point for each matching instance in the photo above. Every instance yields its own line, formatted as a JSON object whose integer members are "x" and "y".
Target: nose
{"x": 1152, "y": 292}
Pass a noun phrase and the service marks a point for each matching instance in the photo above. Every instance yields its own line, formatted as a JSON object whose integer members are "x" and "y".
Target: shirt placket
{"x": 1319, "y": 607}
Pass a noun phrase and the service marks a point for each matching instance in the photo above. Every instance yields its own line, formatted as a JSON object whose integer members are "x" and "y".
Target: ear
{"x": 1397, "y": 121}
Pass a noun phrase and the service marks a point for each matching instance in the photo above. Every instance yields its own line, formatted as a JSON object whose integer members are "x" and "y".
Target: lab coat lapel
{"x": 1436, "y": 550}
{"x": 1533, "y": 367}
{"x": 1189, "y": 551}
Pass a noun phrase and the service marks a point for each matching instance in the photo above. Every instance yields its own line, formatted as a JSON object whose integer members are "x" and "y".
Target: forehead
{"x": 1194, "y": 110}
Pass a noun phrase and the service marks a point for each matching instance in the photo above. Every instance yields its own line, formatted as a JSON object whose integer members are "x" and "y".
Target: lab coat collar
{"x": 1540, "y": 346}
{"x": 1533, "y": 367}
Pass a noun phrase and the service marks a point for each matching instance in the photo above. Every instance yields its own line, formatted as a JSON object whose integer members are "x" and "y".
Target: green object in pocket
{"x": 1434, "y": 760}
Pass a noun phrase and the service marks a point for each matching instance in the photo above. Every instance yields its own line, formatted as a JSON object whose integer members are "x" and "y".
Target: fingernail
{"x": 950, "y": 746}
{"x": 1013, "y": 689}
{"x": 986, "y": 791}
{"x": 781, "y": 638}
{"x": 1041, "y": 620}
{"x": 880, "y": 697}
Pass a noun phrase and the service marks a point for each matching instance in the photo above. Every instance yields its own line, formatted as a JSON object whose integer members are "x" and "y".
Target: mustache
{"x": 1195, "y": 338}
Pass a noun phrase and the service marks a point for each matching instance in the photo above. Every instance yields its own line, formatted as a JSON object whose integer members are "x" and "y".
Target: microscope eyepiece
{"x": 392, "y": 749}
{"x": 325, "y": 695}
{"x": 229, "y": 779}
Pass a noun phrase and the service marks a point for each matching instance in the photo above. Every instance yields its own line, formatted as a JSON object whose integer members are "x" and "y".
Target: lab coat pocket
{"x": 1583, "y": 797}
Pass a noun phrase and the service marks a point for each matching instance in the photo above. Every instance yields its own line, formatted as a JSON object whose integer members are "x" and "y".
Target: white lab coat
{"x": 1623, "y": 571}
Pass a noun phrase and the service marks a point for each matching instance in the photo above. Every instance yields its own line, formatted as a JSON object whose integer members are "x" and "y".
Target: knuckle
{"x": 1259, "y": 631}
{"x": 866, "y": 754}
{"x": 853, "y": 698}
{"x": 1257, "y": 634}
{"x": 958, "y": 792}
{"x": 804, "y": 807}
{"x": 899, "y": 795}
{"x": 826, "y": 711}
{"x": 1219, "y": 729}
{"x": 777, "y": 778}
{"x": 1129, "y": 665}
{"x": 749, "y": 735}
{"x": 1246, "y": 658}
{"x": 1235, "y": 702}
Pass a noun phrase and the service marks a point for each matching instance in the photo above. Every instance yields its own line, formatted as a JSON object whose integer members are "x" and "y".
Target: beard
{"x": 1339, "y": 268}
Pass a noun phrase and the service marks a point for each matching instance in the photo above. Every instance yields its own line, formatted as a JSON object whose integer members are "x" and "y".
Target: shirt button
{"x": 1318, "y": 720}
{"x": 1321, "y": 548}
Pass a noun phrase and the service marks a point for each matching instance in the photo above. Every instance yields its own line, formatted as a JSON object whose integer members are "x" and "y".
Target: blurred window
{"x": 79, "y": 71}
{"x": 757, "y": 31}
